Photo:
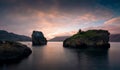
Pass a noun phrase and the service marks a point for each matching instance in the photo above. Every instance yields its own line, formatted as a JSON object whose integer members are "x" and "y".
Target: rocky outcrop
{"x": 12, "y": 51}
{"x": 38, "y": 38}
{"x": 88, "y": 39}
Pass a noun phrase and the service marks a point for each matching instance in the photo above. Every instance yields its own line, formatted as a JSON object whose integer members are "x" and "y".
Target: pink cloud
{"x": 113, "y": 21}
{"x": 53, "y": 23}
{"x": 66, "y": 33}
{"x": 85, "y": 19}
{"x": 112, "y": 25}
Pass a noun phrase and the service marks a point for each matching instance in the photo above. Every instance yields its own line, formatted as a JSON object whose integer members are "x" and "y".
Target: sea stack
{"x": 38, "y": 38}
{"x": 88, "y": 39}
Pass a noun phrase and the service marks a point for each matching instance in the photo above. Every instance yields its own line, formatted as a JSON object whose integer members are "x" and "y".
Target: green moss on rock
{"x": 90, "y": 38}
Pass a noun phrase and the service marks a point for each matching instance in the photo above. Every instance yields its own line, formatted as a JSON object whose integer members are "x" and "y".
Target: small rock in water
{"x": 38, "y": 38}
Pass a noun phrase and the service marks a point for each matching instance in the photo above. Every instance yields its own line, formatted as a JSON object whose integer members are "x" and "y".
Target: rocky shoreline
{"x": 38, "y": 38}
{"x": 13, "y": 51}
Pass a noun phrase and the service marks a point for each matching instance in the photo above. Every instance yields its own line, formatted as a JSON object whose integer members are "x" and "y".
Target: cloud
{"x": 50, "y": 23}
{"x": 112, "y": 25}
{"x": 88, "y": 18}
{"x": 113, "y": 21}
{"x": 53, "y": 17}
{"x": 70, "y": 33}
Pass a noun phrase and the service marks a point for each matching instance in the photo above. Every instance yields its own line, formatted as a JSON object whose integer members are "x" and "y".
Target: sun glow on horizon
{"x": 59, "y": 17}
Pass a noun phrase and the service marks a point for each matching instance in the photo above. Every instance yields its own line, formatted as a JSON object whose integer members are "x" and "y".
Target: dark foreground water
{"x": 55, "y": 57}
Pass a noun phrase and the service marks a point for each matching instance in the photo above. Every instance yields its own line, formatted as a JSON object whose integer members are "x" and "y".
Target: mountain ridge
{"x": 113, "y": 38}
{"x": 5, "y": 35}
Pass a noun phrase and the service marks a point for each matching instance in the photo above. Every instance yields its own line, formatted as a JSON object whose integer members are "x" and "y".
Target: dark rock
{"x": 11, "y": 51}
{"x": 1, "y": 42}
{"x": 38, "y": 38}
{"x": 88, "y": 39}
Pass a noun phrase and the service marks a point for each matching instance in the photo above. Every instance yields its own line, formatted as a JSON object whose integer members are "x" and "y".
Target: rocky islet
{"x": 88, "y": 39}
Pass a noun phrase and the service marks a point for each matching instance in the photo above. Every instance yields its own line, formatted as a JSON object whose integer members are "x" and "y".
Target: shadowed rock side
{"x": 13, "y": 51}
{"x": 88, "y": 39}
{"x": 38, "y": 38}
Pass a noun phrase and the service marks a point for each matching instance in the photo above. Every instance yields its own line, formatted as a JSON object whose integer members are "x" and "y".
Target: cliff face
{"x": 90, "y": 38}
{"x": 38, "y": 38}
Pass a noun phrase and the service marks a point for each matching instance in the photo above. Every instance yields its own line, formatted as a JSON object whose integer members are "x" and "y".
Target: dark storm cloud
{"x": 22, "y": 6}
{"x": 65, "y": 6}
{"x": 76, "y": 5}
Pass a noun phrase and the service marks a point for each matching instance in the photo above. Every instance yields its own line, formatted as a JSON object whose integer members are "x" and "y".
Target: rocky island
{"x": 13, "y": 51}
{"x": 88, "y": 39}
{"x": 38, "y": 38}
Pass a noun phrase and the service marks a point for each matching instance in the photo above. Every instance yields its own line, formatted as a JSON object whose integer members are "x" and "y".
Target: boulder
{"x": 38, "y": 38}
{"x": 13, "y": 51}
{"x": 88, "y": 39}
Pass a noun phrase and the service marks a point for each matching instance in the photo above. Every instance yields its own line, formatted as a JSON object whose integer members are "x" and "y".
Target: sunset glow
{"x": 59, "y": 17}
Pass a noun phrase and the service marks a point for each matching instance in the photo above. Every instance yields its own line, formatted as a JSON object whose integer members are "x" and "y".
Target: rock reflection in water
{"x": 93, "y": 60}
{"x": 55, "y": 57}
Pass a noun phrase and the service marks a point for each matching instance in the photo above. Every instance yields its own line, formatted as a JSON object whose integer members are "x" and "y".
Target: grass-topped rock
{"x": 88, "y": 39}
{"x": 13, "y": 51}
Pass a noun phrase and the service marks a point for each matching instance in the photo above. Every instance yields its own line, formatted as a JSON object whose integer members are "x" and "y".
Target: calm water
{"x": 54, "y": 57}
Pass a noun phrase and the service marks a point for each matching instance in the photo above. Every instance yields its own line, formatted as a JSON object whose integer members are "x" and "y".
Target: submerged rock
{"x": 88, "y": 39}
{"x": 13, "y": 51}
{"x": 38, "y": 38}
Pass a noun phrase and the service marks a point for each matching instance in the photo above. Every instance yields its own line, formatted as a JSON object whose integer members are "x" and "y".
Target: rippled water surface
{"x": 54, "y": 56}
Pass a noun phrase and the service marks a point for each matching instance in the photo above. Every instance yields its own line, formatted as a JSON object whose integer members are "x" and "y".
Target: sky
{"x": 59, "y": 17}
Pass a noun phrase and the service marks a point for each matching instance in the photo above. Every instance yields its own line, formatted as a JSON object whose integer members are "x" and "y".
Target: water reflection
{"x": 89, "y": 60}
{"x": 55, "y": 57}
{"x": 94, "y": 60}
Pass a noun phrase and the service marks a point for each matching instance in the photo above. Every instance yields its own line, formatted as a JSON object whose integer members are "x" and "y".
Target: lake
{"x": 54, "y": 56}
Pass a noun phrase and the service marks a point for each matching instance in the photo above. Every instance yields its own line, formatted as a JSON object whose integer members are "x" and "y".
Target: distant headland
{"x": 4, "y": 35}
